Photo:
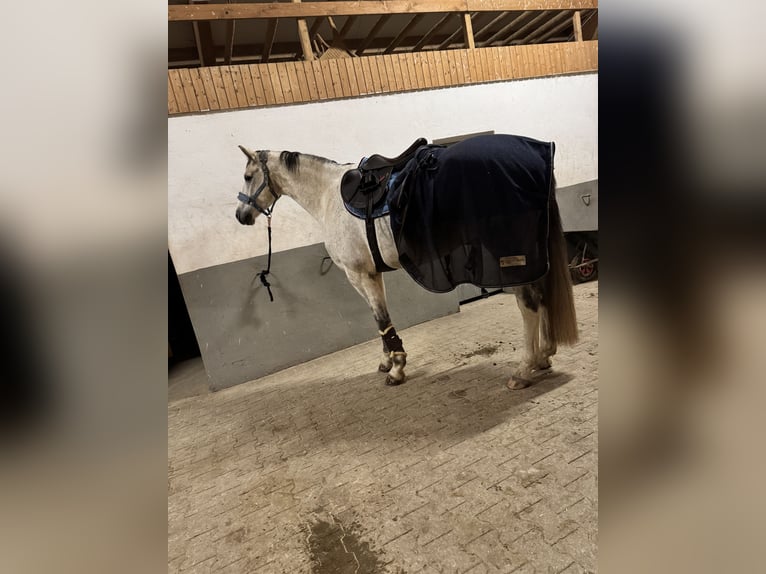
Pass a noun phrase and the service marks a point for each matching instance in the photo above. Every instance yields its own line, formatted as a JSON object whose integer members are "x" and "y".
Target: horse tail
{"x": 557, "y": 284}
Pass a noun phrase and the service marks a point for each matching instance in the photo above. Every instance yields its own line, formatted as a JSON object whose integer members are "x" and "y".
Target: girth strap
{"x": 372, "y": 239}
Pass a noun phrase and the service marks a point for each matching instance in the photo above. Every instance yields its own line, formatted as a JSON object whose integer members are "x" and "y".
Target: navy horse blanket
{"x": 475, "y": 212}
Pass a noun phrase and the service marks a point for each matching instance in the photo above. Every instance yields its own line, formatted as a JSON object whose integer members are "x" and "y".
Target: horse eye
{"x": 248, "y": 177}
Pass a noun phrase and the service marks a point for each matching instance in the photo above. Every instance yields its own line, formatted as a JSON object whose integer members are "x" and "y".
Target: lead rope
{"x": 266, "y": 271}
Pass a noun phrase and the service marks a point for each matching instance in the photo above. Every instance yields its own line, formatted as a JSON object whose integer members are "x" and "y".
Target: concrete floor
{"x": 321, "y": 468}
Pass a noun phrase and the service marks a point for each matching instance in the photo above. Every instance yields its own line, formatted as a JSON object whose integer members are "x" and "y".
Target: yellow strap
{"x": 382, "y": 333}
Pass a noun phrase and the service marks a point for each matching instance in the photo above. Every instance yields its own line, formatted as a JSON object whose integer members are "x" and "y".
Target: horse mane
{"x": 291, "y": 159}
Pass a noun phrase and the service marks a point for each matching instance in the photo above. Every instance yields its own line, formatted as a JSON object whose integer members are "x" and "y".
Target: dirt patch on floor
{"x": 485, "y": 351}
{"x": 338, "y": 548}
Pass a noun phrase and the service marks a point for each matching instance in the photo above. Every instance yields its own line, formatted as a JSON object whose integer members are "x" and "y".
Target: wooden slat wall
{"x": 257, "y": 85}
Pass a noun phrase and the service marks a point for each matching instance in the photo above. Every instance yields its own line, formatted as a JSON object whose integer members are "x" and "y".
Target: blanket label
{"x": 513, "y": 261}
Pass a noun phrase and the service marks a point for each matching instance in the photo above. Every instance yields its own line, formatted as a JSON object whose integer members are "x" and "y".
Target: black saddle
{"x": 367, "y": 185}
{"x": 365, "y": 192}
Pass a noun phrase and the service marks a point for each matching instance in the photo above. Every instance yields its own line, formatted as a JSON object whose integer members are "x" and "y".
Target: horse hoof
{"x": 392, "y": 382}
{"x": 383, "y": 368}
{"x": 515, "y": 383}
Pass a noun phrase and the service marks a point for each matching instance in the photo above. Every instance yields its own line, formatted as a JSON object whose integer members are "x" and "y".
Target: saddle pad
{"x": 381, "y": 208}
{"x": 475, "y": 212}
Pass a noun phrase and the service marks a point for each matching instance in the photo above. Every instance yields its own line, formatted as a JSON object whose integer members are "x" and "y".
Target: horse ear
{"x": 247, "y": 152}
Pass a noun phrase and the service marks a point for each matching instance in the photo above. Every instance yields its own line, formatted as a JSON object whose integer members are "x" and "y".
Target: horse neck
{"x": 313, "y": 185}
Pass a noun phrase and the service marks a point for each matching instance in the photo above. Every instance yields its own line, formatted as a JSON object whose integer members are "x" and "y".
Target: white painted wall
{"x": 205, "y": 167}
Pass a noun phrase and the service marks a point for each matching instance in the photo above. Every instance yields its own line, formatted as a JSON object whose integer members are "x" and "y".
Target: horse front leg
{"x": 371, "y": 287}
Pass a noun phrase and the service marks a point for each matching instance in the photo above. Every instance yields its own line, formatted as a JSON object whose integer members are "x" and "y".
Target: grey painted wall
{"x": 243, "y": 336}
{"x": 578, "y": 205}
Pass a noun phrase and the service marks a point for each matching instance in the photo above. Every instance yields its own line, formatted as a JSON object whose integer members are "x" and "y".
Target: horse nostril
{"x": 248, "y": 178}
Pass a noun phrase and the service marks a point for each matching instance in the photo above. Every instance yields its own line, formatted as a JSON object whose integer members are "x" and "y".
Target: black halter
{"x": 251, "y": 199}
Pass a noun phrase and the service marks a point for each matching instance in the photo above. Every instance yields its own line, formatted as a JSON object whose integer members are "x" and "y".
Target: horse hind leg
{"x": 529, "y": 300}
{"x": 548, "y": 345}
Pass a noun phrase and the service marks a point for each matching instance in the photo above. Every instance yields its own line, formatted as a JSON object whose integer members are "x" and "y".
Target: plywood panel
{"x": 239, "y": 86}
{"x": 345, "y": 84}
{"x": 212, "y": 96}
{"x": 388, "y": 85}
{"x": 316, "y": 68}
{"x": 352, "y": 79}
{"x": 284, "y": 79}
{"x": 258, "y": 87}
{"x": 199, "y": 89}
{"x": 300, "y": 91}
{"x": 247, "y": 86}
{"x": 188, "y": 88}
{"x": 396, "y": 64}
{"x": 410, "y": 79}
{"x": 474, "y": 71}
{"x": 427, "y": 69}
{"x": 311, "y": 83}
{"x": 178, "y": 91}
{"x": 392, "y": 79}
{"x": 365, "y": 62}
{"x": 228, "y": 85}
{"x": 276, "y": 83}
{"x": 172, "y": 104}
{"x": 376, "y": 83}
{"x": 220, "y": 90}
{"x": 330, "y": 68}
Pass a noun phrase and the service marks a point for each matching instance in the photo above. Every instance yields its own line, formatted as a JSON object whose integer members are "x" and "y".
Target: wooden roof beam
{"x": 203, "y": 40}
{"x": 590, "y": 26}
{"x": 315, "y": 27}
{"x": 526, "y": 27}
{"x": 485, "y": 29}
{"x": 403, "y": 34}
{"x": 238, "y": 11}
{"x": 468, "y": 32}
{"x": 503, "y": 32}
{"x": 433, "y": 31}
{"x": 565, "y": 15}
{"x": 577, "y": 26}
{"x": 452, "y": 37}
{"x": 566, "y": 23}
{"x": 346, "y": 27}
{"x": 271, "y": 31}
{"x": 371, "y": 36}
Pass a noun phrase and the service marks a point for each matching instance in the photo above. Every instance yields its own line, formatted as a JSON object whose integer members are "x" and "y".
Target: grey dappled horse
{"x": 547, "y": 305}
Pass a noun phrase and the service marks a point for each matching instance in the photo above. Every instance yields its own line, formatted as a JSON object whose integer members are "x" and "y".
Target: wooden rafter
{"x": 315, "y": 27}
{"x": 563, "y": 25}
{"x": 577, "y": 26}
{"x": 452, "y": 37}
{"x": 433, "y": 31}
{"x": 531, "y": 25}
{"x": 371, "y": 36}
{"x": 229, "y": 43}
{"x": 414, "y": 21}
{"x": 485, "y": 28}
{"x": 503, "y": 32}
{"x": 468, "y": 32}
{"x": 303, "y": 36}
{"x": 237, "y": 11}
{"x": 346, "y": 27}
{"x": 590, "y": 26}
{"x": 563, "y": 16}
{"x": 271, "y": 31}
{"x": 203, "y": 39}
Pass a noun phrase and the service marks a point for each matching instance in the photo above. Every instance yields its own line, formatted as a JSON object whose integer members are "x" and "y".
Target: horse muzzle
{"x": 245, "y": 216}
